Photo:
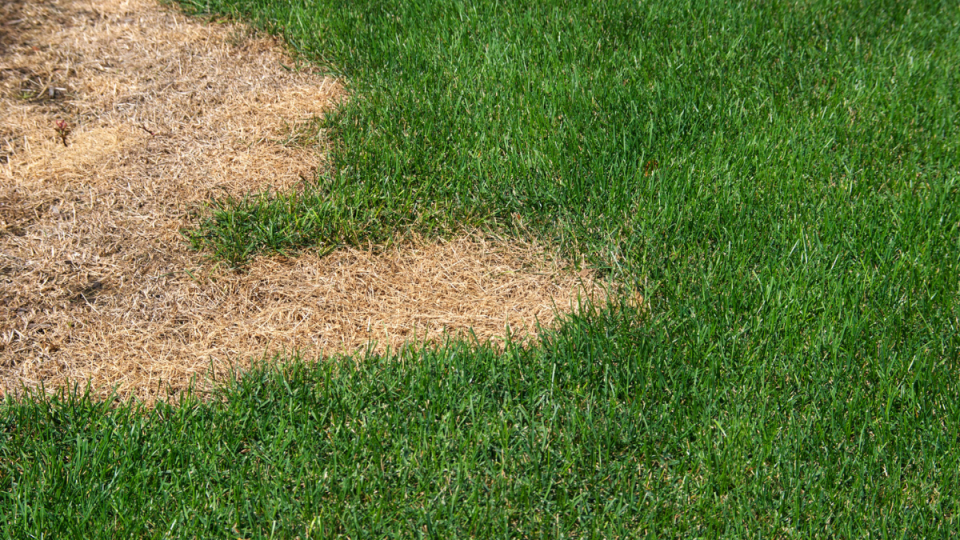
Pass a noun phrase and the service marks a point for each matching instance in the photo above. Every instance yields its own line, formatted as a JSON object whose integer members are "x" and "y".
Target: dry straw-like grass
{"x": 161, "y": 113}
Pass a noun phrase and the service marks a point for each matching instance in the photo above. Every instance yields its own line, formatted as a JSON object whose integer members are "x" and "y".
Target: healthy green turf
{"x": 781, "y": 180}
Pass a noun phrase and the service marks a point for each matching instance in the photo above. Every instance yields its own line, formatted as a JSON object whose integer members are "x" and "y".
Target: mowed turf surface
{"x": 779, "y": 180}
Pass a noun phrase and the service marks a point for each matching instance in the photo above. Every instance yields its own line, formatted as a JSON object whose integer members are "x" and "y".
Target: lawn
{"x": 779, "y": 180}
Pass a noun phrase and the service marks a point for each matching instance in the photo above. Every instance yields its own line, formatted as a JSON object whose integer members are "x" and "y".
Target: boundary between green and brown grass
{"x": 780, "y": 180}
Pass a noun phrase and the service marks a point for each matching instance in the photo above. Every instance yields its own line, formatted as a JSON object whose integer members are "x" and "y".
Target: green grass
{"x": 780, "y": 179}
{"x": 608, "y": 429}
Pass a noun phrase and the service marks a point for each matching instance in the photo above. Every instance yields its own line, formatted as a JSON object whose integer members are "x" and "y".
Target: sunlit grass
{"x": 780, "y": 181}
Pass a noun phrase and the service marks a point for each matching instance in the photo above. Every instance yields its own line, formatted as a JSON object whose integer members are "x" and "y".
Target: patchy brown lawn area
{"x": 119, "y": 119}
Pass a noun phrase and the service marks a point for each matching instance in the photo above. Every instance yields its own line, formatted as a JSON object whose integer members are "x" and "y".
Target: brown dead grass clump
{"x": 161, "y": 113}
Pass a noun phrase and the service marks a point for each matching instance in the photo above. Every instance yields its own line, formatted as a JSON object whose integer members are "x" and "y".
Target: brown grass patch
{"x": 164, "y": 113}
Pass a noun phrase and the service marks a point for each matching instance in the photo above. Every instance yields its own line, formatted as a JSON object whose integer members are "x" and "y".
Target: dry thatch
{"x": 120, "y": 118}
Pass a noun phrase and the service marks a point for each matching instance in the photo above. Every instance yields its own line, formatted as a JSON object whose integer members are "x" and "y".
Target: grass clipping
{"x": 120, "y": 120}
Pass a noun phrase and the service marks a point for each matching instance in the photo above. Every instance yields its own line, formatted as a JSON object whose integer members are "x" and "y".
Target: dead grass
{"x": 164, "y": 113}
